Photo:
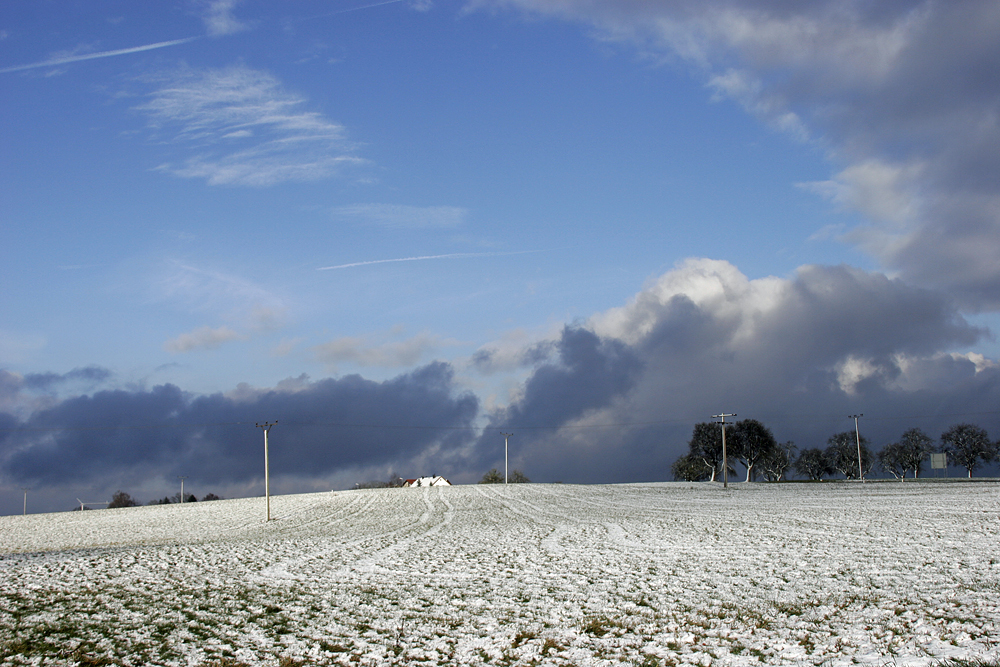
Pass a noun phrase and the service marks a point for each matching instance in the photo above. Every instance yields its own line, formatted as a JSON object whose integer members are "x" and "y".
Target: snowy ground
{"x": 653, "y": 574}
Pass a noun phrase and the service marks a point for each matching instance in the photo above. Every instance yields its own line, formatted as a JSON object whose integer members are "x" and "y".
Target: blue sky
{"x": 222, "y": 196}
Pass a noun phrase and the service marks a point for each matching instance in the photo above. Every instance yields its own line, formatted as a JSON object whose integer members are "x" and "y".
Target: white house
{"x": 427, "y": 481}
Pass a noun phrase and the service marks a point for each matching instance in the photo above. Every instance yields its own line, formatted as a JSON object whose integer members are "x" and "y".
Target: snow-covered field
{"x": 650, "y": 574}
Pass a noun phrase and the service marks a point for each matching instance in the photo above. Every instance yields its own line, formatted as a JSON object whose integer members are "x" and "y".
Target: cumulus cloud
{"x": 202, "y": 338}
{"x": 244, "y": 128}
{"x": 798, "y": 353}
{"x": 902, "y": 93}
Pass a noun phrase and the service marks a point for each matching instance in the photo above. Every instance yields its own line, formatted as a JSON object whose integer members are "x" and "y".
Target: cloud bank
{"x": 608, "y": 399}
{"x": 114, "y": 436}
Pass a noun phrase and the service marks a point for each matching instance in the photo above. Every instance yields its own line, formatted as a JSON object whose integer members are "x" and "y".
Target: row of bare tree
{"x": 752, "y": 444}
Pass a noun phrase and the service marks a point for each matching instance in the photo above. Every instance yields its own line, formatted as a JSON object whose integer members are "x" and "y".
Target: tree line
{"x": 752, "y": 444}
{"x": 122, "y": 499}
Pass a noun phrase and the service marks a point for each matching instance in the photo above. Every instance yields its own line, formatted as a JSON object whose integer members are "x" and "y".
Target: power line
{"x": 770, "y": 419}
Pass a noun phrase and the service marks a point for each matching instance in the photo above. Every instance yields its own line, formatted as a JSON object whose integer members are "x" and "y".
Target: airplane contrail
{"x": 92, "y": 56}
{"x": 454, "y": 255}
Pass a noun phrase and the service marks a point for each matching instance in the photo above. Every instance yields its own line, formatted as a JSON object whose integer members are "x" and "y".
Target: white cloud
{"x": 401, "y": 216}
{"x": 880, "y": 191}
{"x": 363, "y": 352}
{"x": 203, "y": 338}
{"x": 245, "y": 129}
{"x": 742, "y": 87}
{"x": 285, "y": 346}
{"x": 208, "y": 290}
{"x": 219, "y": 19}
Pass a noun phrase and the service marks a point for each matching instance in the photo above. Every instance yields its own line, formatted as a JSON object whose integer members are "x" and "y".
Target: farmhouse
{"x": 427, "y": 481}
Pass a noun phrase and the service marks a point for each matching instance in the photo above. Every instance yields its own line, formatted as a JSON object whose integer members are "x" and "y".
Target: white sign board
{"x": 939, "y": 461}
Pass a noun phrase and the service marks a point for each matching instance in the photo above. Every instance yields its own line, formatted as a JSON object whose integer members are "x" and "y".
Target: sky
{"x": 402, "y": 228}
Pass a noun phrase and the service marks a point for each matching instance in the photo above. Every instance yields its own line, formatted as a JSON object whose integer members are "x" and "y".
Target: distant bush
{"x": 211, "y": 496}
{"x": 394, "y": 482}
{"x": 121, "y": 499}
{"x": 495, "y": 477}
{"x": 492, "y": 477}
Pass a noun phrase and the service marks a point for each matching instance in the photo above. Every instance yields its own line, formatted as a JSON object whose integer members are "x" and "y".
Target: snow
{"x": 647, "y": 574}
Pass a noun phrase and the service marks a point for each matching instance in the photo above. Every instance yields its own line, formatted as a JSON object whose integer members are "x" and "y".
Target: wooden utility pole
{"x": 725, "y": 458}
{"x": 267, "y": 476}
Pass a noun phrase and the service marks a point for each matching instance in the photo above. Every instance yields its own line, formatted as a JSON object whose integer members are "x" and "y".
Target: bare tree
{"x": 915, "y": 446}
{"x": 842, "y": 454}
{"x": 752, "y": 441}
{"x": 690, "y": 468}
{"x": 891, "y": 459}
{"x": 967, "y": 445}
{"x": 121, "y": 499}
{"x": 775, "y": 465}
{"x": 518, "y": 477}
{"x": 813, "y": 464}
{"x": 706, "y": 444}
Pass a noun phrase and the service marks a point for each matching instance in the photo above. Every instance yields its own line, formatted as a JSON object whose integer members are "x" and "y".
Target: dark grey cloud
{"x": 905, "y": 94}
{"x": 89, "y": 374}
{"x": 799, "y": 354}
{"x": 588, "y": 373}
{"x": 323, "y": 427}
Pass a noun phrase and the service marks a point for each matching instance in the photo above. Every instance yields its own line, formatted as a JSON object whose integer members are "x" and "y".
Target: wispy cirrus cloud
{"x": 420, "y": 258}
{"x": 235, "y": 300}
{"x": 244, "y": 128}
{"x": 202, "y": 338}
{"x": 67, "y": 58}
{"x": 400, "y": 216}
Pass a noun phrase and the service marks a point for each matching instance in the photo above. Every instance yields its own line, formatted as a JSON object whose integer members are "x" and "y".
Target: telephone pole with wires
{"x": 267, "y": 476}
{"x": 505, "y": 437}
{"x": 725, "y": 458}
{"x": 857, "y": 434}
